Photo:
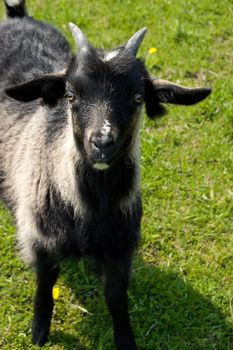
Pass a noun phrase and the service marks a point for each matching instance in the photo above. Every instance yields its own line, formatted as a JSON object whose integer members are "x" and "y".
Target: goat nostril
{"x": 102, "y": 141}
{"x": 94, "y": 140}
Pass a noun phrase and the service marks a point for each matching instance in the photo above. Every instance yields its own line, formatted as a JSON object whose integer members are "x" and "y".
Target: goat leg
{"x": 43, "y": 303}
{"x": 116, "y": 280}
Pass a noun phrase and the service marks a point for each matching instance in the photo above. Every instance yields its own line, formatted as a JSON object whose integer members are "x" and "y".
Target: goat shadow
{"x": 166, "y": 312}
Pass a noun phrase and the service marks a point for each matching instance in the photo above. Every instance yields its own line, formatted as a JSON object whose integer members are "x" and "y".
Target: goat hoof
{"x": 39, "y": 334}
{"x": 39, "y": 338}
{"x": 125, "y": 344}
{"x": 127, "y": 347}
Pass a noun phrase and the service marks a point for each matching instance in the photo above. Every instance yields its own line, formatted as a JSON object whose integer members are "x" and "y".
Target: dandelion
{"x": 56, "y": 292}
{"x": 152, "y": 50}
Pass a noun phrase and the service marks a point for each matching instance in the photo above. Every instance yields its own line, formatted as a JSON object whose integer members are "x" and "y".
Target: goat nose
{"x": 102, "y": 141}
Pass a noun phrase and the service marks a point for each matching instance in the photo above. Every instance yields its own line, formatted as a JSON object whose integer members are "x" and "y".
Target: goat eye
{"x": 138, "y": 98}
{"x": 70, "y": 96}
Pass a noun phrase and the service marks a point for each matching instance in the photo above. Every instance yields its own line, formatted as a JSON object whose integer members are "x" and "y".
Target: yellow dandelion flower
{"x": 56, "y": 292}
{"x": 152, "y": 50}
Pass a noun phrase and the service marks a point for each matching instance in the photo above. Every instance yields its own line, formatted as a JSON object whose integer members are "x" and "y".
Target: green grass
{"x": 181, "y": 294}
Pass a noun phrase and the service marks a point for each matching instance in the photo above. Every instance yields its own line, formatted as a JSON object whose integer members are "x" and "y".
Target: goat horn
{"x": 80, "y": 38}
{"x": 135, "y": 41}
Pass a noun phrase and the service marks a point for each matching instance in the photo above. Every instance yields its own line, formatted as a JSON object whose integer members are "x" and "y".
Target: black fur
{"x": 75, "y": 236}
{"x": 17, "y": 10}
{"x": 46, "y": 275}
{"x": 153, "y": 106}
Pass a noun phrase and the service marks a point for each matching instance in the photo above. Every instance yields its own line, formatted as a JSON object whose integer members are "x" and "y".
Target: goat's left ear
{"x": 159, "y": 91}
{"x": 49, "y": 87}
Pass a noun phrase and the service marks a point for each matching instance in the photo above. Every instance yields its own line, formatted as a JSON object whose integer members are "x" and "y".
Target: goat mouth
{"x": 101, "y": 166}
{"x": 102, "y": 161}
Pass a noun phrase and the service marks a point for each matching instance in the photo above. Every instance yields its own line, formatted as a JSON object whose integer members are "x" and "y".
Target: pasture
{"x": 181, "y": 293}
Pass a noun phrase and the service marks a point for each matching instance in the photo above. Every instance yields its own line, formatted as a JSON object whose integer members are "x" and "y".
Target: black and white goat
{"x": 69, "y": 159}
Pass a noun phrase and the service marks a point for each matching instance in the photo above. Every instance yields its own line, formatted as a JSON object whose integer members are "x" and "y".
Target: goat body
{"x": 69, "y": 158}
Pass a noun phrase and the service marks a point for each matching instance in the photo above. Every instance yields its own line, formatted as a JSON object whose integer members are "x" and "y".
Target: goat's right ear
{"x": 49, "y": 87}
{"x": 159, "y": 92}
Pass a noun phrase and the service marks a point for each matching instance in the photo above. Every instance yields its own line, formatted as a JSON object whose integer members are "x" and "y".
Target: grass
{"x": 182, "y": 288}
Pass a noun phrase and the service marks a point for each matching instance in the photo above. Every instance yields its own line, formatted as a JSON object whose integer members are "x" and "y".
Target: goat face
{"x": 106, "y": 91}
{"x": 105, "y": 97}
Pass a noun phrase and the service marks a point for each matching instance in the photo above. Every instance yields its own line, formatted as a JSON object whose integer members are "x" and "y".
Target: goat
{"x": 69, "y": 159}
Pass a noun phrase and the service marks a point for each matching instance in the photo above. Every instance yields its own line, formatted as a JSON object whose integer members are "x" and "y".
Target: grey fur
{"x": 23, "y": 156}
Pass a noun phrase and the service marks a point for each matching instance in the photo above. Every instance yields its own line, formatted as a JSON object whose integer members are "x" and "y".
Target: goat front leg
{"x": 46, "y": 274}
{"x": 116, "y": 280}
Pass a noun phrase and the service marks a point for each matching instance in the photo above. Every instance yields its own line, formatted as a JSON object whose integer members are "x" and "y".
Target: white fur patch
{"x": 110, "y": 55}
{"x": 106, "y": 128}
{"x": 101, "y": 166}
{"x": 65, "y": 158}
{"x": 13, "y": 3}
